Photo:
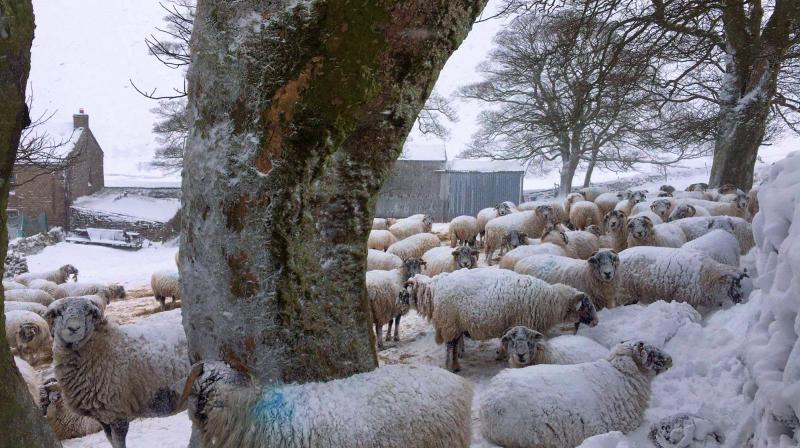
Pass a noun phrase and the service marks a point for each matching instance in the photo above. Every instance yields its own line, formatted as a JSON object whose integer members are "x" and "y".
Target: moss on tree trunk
{"x": 20, "y": 419}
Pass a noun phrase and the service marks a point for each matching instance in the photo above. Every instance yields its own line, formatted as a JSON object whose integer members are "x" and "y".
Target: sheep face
{"x": 427, "y": 220}
{"x": 648, "y": 358}
{"x": 39, "y": 353}
{"x": 697, "y": 187}
{"x": 741, "y": 201}
{"x": 722, "y": 223}
{"x": 667, "y": 189}
{"x": 502, "y": 209}
{"x": 583, "y": 312}
{"x": 640, "y": 227}
{"x": 521, "y": 344}
{"x": 514, "y": 239}
{"x": 73, "y": 321}
{"x": 735, "y": 287}
{"x": 413, "y": 266}
{"x": 638, "y": 196}
{"x": 728, "y": 189}
{"x": 555, "y": 236}
{"x": 117, "y": 291}
{"x": 664, "y": 194}
{"x": 614, "y": 220}
{"x": 69, "y": 269}
{"x": 604, "y": 265}
{"x": 465, "y": 257}
{"x": 545, "y": 212}
{"x": 574, "y": 197}
{"x": 684, "y": 211}
{"x": 662, "y": 208}
{"x": 594, "y": 230}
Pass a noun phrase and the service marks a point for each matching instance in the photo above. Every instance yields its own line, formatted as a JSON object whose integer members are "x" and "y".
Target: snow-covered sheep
{"x": 59, "y": 276}
{"x": 700, "y": 186}
{"x": 513, "y": 240}
{"x": 698, "y": 226}
{"x": 594, "y": 230}
{"x": 737, "y": 208}
{"x": 45, "y": 285}
{"x": 383, "y": 290}
{"x": 557, "y": 406}
{"x": 412, "y": 225}
{"x": 377, "y": 259}
{"x": 615, "y": 226}
{"x": 64, "y": 422}
{"x": 414, "y": 246}
{"x": 688, "y": 195}
{"x": 654, "y": 218}
{"x": 28, "y": 335}
{"x": 642, "y": 232}
{"x": 576, "y": 244}
{"x": 488, "y": 214}
{"x": 380, "y": 239}
{"x": 37, "y": 308}
{"x": 584, "y": 213}
{"x": 571, "y": 199}
{"x": 596, "y": 276}
{"x": 647, "y": 274}
{"x": 552, "y": 211}
{"x": 667, "y": 189}
{"x": 718, "y": 244}
{"x": 484, "y": 302}
{"x": 530, "y": 222}
{"x": 10, "y": 284}
{"x": 662, "y": 207}
{"x": 591, "y": 193}
{"x": 166, "y": 283}
{"x": 463, "y": 231}
{"x": 29, "y": 295}
{"x": 446, "y": 259}
{"x": 412, "y": 406}
{"x": 524, "y": 347}
{"x": 510, "y": 259}
{"x": 607, "y": 201}
{"x": 687, "y": 211}
{"x": 626, "y": 205}
{"x": 146, "y": 359}
{"x": 108, "y": 292}
{"x": 380, "y": 224}
{"x": 684, "y": 431}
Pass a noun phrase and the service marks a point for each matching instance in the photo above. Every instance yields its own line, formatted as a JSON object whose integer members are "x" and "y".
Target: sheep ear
{"x": 423, "y": 263}
{"x": 455, "y": 252}
{"x": 535, "y": 336}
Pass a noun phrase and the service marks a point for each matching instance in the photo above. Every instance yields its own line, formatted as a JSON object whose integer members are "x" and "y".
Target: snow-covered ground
{"x": 142, "y": 207}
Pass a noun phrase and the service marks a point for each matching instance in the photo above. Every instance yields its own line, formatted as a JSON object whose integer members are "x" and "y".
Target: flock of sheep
{"x": 559, "y": 263}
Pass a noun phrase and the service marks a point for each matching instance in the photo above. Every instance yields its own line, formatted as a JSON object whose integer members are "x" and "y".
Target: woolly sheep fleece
{"x": 414, "y": 246}
{"x": 377, "y": 259}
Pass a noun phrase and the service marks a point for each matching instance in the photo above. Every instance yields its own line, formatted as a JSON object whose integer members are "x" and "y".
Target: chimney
{"x": 80, "y": 120}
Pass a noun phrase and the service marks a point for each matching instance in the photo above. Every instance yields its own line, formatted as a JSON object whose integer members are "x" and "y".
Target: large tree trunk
{"x": 568, "y": 167}
{"x": 20, "y": 419}
{"x": 298, "y": 116}
{"x": 587, "y": 180}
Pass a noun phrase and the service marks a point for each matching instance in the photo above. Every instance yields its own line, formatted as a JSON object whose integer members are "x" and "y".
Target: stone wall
{"x": 82, "y": 217}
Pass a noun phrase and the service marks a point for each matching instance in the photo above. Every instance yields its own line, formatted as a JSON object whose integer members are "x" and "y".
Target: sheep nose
{"x": 73, "y": 329}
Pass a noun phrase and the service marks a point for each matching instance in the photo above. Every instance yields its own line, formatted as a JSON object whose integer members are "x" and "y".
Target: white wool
{"x": 438, "y": 260}
{"x": 380, "y": 239}
{"x": 569, "y": 271}
{"x": 718, "y": 244}
{"x": 462, "y": 229}
{"x": 653, "y": 217}
{"x": 699, "y": 225}
{"x": 414, "y": 245}
{"x": 45, "y": 285}
{"x": 377, "y": 259}
{"x": 407, "y": 227}
{"x": 32, "y": 381}
{"x": 28, "y": 295}
{"x": 655, "y": 323}
{"x": 379, "y": 224}
{"x": 613, "y": 439}
{"x": 574, "y": 349}
{"x": 38, "y": 350}
{"x": 688, "y": 195}
{"x": 37, "y": 308}
{"x": 717, "y": 208}
{"x": 81, "y": 289}
{"x": 10, "y": 284}
{"x": 607, "y": 201}
{"x": 584, "y": 213}
{"x": 510, "y": 259}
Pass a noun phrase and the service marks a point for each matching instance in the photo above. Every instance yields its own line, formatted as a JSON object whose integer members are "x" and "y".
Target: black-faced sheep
{"x": 58, "y": 276}
{"x": 445, "y": 259}
{"x": 642, "y": 232}
{"x": 524, "y": 347}
{"x": 513, "y": 240}
{"x": 546, "y": 405}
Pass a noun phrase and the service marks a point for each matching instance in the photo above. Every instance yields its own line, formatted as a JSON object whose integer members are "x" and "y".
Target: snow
{"x": 484, "y": 165}
{"x": 142, "y": 207}
{"x": 418, "y": 149}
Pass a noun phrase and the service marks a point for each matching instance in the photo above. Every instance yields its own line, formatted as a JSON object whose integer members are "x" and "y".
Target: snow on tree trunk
{"x": 298, "y": 111}
{"x": 20, "y": 418}
{"x": 568, "y": 168}
{"x": 587, "y": 180}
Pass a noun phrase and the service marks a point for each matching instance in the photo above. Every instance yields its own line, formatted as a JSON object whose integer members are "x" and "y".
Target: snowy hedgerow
{"x": 718, "y": 244}
{"x": 558, "y": 406}
{"x": 14, "y": 264}
{"x": 398, "y": 405}
{"x": 59, "y": 276}
{"x": 28, "y": 335}
{"x": 523, "y": 347}
{"x": 648, "y": 274}
{"x": 485, "y": 302}
{"x": 113, "y": 373}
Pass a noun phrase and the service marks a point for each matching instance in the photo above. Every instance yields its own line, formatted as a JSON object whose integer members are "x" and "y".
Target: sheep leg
{"x": 396, "y": 328}
{"x": 119, "y": 431}
{"x": 389, "y": 330}
{"x": 452, "y": 355}
{"x": 163, "y": 301}
{"x": 107, "y": 431}
{"x": 379, "y": 334}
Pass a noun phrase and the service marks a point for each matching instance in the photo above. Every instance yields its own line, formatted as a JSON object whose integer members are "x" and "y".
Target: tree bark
{"x": 587, "y": 180}
{"x": 568, "y": 167}
{"x": 20, "y": 418}
{"x": 298, "y": 116}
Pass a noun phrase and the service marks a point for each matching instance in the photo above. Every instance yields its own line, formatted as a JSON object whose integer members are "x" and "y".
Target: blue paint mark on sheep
{"x": 273, "y": 406}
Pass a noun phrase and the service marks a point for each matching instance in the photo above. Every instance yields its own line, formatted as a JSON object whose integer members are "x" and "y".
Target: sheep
{"x": 45, "y": 285}
{"x": 584, "y": 213}
{"x": 626, "y": 205}
{"x": 463, "y": 230}
{"x": 412, "y": 225}
{"x": 37, "y": 308}
{"x": 380, "y": 224}
{"x": 571, "y": 199}
{"x": 607, "y": 201}
{"x": 662, "y": 208}
{"x": 596, "y": 276}
{"x": 380, "y": 239}
{"x": 9, "y": 284}
{"x": 414, "y": 246}
{"x": 29, "y": 375}
{"x": 488, "y": 214}
{"x": 445, "y": 259}
{"x": 667, "y": 189}
{"x": 557, "y": 406}
{"x": 484, "y": 302}
{"x": 64, "y": 422}
{"x": 685, "y": 430}
{"x": 146, "y": 359}
{"x": 552, "y": 210}
{"x": 737, "y": 208}
{"x": 513, "y": 240}
{"x": 642, "y": 232}
{"x": 383, "y": 289}
{"x": 615, "y": 224}
{"x": 687, "y": 211}
{"x": 382, "y": 261}
{"x": 530, "y": 222}
{"x": 718, "y": 244}
{"x": 689, "y": 195}
{"x": 752, "y": 202}
{"x": 511, "y": 258}
{"x": 591, "y": 193}
{"x": 654, "y": 218}
{"x": 523, "y": 347}
{"x": 663, "y": 194}
{"x": 699, "y": 226}
{"x": 28, "y": 335}
{"x": 412, "y": 406}
{"x": 166, "y": 283}
{"x": 58, "y": 276}
{"x": 648, "y": 274}
{"x": 107, "y": 292}
{"x": 576, "y": 244}
{"x": 594, "y": 230}
{"x": 29, "y": 295}
{"x": 697, "y": 187}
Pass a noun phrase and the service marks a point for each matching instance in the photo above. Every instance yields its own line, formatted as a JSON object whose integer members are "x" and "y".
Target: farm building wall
{"x": 469, "y": 192}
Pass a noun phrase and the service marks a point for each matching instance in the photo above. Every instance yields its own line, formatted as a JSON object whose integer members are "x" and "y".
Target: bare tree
{"x": 20, "y": 418}
{"x": 171, "y": 131}
{"x": 568, "y": 85}
{"x": 435, "y": 110}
